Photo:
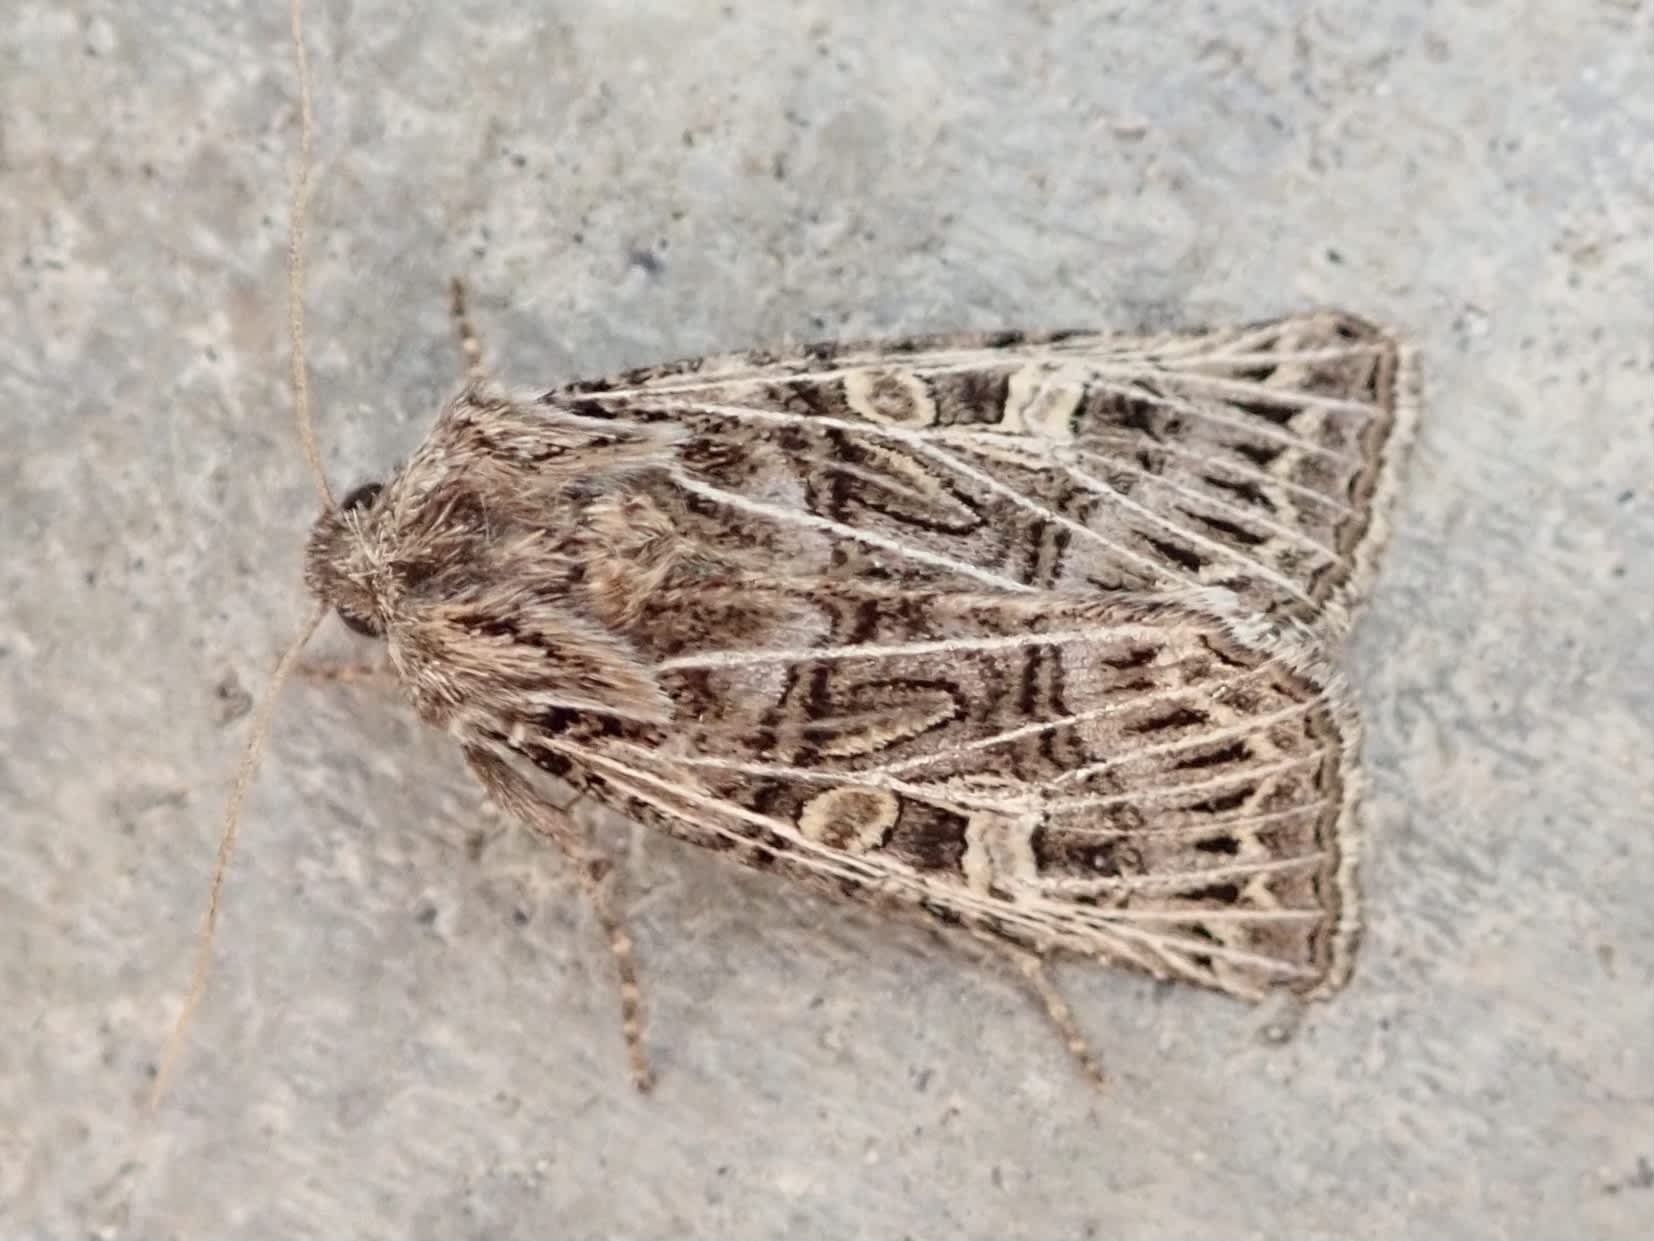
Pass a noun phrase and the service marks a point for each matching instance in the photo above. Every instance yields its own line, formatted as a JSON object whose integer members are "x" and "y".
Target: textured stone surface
{"x": 402, "y": 1039}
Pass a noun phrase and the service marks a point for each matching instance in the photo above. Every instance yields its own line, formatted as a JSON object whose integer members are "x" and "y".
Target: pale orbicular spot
{"x": 852, "y": 819}
{"x": 1041, "y": 400}
{"x": 896, "y": 397}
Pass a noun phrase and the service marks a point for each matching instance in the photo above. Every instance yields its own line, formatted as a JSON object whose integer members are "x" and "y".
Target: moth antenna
{"x": 226, "y": 846}
{"x": 295, "y": 260}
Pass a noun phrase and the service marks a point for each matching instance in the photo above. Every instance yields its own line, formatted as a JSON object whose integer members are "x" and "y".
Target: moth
{"x": 1022, "y": 634}
{"x": 1026, "y": 636}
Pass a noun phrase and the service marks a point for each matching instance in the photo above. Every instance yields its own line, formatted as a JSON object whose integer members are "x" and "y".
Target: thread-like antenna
{"x": 295, "y": 260}
{"x": 226, "y": 845}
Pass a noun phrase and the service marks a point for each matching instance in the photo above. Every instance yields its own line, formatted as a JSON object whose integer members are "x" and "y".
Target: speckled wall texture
{"x": 404, "y": 1036}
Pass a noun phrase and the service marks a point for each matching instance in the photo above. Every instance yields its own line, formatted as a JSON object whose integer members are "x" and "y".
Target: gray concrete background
{"x": 402, "y": 1040}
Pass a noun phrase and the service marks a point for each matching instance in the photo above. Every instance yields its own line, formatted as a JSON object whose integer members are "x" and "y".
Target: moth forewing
{"x": 1159, "y": 783}
{"x": 1260, "y": 459}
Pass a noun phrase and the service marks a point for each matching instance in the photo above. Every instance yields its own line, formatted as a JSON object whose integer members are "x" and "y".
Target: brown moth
{"x": 1021, "y": 635}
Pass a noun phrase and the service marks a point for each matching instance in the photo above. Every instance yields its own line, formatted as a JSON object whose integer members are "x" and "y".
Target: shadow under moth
{"x": 1023, "y": 635}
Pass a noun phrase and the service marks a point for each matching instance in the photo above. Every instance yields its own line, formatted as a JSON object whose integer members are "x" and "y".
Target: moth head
{"x": 338, "y": 556}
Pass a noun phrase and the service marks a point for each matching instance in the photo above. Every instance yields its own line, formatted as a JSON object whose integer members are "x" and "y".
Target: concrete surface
{"x": 401, "y": 1039}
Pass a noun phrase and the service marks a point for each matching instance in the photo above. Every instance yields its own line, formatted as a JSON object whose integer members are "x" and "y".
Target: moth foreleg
{"x": 346, "y": 672}
{"x": 470, "y": 344}
{"x": 1032, "y": 968}
{"x": 516, "y": 796}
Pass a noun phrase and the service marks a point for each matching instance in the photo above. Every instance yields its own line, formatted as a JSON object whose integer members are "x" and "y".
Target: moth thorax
{"x": 334, "y": 560}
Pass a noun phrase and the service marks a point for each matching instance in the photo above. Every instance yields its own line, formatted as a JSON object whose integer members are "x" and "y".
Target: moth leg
{"x": 469, "y": 343}
{"x": 516, "y": 796}
{"x": 1032, "y": 968}
{"x": 345, "y": 672}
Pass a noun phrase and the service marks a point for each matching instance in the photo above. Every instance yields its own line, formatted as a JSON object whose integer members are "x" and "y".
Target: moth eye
{"x": 362, "y": 497}
{"x": 366, "y": 626}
